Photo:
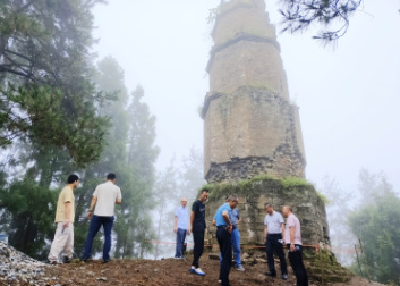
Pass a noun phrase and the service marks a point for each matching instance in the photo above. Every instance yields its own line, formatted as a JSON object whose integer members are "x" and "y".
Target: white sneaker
{"x": 240, "y": 268}
{"x": 219, "y": 281}
{"x": 197, "y": 271}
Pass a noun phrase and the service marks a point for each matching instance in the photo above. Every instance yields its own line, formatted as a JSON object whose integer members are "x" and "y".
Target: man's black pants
{"x": 225, "y": 246}
{"x": 272, "y": 244}
{"x": 297, "y": 263}
{"x": 198, "y": 236}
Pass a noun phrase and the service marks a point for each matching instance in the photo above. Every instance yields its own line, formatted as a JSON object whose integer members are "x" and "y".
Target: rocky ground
{"x": 148, "y": 272}
{"x": 18, "y": 269}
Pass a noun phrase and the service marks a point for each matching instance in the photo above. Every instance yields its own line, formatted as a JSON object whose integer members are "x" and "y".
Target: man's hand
{"x": 191, "y": 229}
{"x": 214, "y": 222}
{"x": 292, "y": 248}
{"x": 229, "y": 228}
{"x": 175, "y": 230}
{"x": 89, "y": 214}
{"x": 66, "y": 224}
{"x": 188, "y": 232}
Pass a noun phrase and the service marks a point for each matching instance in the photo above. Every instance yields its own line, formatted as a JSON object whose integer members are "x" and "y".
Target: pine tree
{"x": 130, "y": 153}
{"x": 165, "y": 190}
{"x": 48, "y": 111}
{"x": 298, "y": 15}
{"x": 375, "y": 222}
{"x": 45, "y": 77}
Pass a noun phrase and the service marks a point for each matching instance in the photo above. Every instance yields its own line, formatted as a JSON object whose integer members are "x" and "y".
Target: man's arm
{"x": 92, "y": 204}
{"x": 191, "y": 221}
{"x": 188, "y": 229}
{"x": 292, "y": 231}
{"x": 118, "y": 201}
{"x": 225, "y": 216}
{"x": 283, "y": 233}
{"x": 176, "y": 224}
{"x": 67, "y": 213}
{"x": 265, "y": 233}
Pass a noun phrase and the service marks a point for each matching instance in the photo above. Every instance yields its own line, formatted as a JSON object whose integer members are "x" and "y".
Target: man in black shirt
{"x": 197, "y": 227}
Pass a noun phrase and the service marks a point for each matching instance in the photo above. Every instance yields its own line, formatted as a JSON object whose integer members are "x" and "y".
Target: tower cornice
{"x": 240, "y": 37}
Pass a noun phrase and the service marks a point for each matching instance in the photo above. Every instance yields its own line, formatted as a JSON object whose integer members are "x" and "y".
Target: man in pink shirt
{"x": 293, "y": 241}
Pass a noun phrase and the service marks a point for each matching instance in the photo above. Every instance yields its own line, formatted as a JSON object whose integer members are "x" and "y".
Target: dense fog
{"x": 122, "y": 91}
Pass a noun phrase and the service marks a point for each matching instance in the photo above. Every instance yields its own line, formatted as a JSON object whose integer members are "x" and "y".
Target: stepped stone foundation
{"x": 306, "y": 204}
{"x": 253, "y": 194}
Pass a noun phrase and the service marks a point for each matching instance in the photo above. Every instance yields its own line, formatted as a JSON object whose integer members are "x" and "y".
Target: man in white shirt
{"x": 181, "y": 228}
{"x": 104, "y": 198}
{"x": 273, "y": 231}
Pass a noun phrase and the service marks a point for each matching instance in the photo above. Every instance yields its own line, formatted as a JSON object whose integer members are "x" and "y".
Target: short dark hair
{"x": 111, "y": 176}
{"x": 267, "y": 205}
{"x": 204, "y": 191}
{"x": 72, "y": 178}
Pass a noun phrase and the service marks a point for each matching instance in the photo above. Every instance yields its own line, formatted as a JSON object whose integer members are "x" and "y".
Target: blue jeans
{"x": 180, "y": 241}
{"x": 235, "y": 239}
{"x": 95, "y": 225}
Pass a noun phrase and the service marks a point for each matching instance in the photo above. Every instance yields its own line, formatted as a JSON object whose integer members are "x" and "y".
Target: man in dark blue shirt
{"x": 224, "y": 230}
{"x": 198, "y": 226}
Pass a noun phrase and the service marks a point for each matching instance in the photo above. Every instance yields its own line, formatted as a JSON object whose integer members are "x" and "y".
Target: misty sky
{"x": 348, "y": 93}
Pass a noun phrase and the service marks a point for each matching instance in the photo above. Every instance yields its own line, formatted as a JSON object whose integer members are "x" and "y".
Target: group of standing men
{"x": 226, "y": 221}
{"x": 101, "y": 213}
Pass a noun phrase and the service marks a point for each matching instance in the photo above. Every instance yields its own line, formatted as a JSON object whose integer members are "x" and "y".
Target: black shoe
{"x": 66, "y": 260}
{"x": 271, "y": 274}
{"x": 284, "y": 277}
{"x": 106, "y": 261}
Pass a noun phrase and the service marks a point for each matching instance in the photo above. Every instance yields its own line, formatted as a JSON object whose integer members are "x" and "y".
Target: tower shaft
{"x": 250, "y": 126}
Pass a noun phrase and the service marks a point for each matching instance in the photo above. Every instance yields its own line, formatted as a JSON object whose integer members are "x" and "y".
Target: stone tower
{"x": 250, "y": 126}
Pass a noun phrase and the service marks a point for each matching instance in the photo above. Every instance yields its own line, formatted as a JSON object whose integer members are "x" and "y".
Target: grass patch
{"x": 294, "y": 182}
{"x": 256, "y": 185}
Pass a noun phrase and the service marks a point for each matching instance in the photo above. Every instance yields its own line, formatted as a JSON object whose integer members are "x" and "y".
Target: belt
{"x": 274, "y": 234}
{"x": 234, "y": 226}
{"x": 222, "y": 226}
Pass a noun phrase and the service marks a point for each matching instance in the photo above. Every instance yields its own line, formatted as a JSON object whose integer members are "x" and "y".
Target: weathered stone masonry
{"x": 250, "y": 126}
{"x": 253, "y": 194}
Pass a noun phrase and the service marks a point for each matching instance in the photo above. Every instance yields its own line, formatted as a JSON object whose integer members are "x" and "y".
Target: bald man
{"x": 293, "y": 240}
{"x": 181, "y": 228}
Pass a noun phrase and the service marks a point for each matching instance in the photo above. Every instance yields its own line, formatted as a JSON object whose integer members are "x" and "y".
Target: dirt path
{"x": 165, "y": 272}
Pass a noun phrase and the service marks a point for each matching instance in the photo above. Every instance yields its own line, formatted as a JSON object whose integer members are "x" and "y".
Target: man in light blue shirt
{"x": 235, "y": 238}
{"x": 224, "y": 230}
{"x": 181, "y": 228}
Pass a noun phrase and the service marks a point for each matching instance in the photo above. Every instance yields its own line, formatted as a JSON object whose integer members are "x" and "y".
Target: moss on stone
{"x": 323, "y": 266}
{"x": 292, "y": 186}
